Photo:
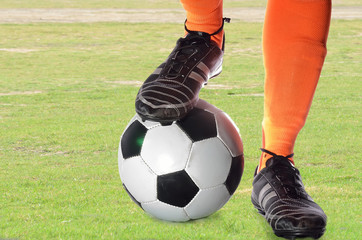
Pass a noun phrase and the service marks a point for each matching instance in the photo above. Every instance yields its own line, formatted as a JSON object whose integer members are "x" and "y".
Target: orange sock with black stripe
{"x": 294, "y": 45}
{"x": 205, "y": 16}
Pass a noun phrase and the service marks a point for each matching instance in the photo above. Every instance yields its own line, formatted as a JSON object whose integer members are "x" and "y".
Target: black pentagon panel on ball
{"x": 176, "y": 188}
{"x": 198, "y": 125}
{"x": 236, "y": 171}
{"x": 132, "y": 140}
{"x": 133, "y": 199}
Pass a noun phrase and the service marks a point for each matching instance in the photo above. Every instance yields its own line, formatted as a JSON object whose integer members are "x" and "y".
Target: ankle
{"x": 266, "y": 155}
{"x": 216, "y": 36}
{"x": 219, "y": 39}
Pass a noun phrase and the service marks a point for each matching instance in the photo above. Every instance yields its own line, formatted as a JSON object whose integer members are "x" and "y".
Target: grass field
{"x": 67, "y": 91}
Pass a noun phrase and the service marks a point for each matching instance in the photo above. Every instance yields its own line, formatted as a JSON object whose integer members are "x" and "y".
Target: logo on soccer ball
{"x": 186, "y": 170}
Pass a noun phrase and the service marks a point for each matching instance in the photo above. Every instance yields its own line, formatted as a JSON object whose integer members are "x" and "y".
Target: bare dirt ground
{"x": 143, "y": 15}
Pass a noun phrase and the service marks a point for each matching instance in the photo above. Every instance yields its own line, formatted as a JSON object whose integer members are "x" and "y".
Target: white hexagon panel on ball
{"x": 139, "y": 180}
{"x": 166, "y": 149}
{"x": 207, "y": 201}
{"x": 165, "y": 211}
{"x": 209, "y": 163}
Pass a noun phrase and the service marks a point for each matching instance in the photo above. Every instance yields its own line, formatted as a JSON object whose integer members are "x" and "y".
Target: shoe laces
{"x": 287, "y": 174}
{"x": 188, "y": 48}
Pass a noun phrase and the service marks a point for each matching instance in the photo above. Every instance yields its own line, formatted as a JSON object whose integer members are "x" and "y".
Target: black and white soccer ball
{"x": 182, "y": 171}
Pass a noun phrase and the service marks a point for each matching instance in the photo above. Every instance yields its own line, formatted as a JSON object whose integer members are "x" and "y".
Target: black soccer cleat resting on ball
{"x": 172, "y": 90}
{"x": 279, "y": 195}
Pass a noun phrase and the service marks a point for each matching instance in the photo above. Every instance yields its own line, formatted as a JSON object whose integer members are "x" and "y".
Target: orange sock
{"x": 294, "y": 44}
{"x": 205, "y": 16}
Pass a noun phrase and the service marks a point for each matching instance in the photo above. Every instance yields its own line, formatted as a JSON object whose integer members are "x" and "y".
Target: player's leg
{"x": 205, "y": 16}
{"x": 294, "y": 45}
{"x": 171, "y": 91}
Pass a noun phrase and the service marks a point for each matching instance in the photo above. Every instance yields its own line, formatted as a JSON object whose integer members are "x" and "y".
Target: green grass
{"x": 63, "y": 108}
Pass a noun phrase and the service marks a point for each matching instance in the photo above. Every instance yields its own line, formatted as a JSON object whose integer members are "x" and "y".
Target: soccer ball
{"x": 186, "y": 170}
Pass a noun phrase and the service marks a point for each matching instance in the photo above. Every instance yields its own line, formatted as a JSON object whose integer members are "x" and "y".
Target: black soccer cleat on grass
{"x": 172, "y": 90}
{"x": 279, "y": 195}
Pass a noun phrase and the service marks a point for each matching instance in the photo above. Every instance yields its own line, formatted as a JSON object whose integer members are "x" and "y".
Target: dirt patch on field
{"x": 20, "y": 93}
{"x": 130, "y": 83}
{"x": 254, "y": 14}
{"x": 17, "y": 50}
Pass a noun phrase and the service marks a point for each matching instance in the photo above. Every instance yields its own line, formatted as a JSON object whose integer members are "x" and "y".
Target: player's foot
{"x": 172, "y": 90}
{"x": 279, "y": 195}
